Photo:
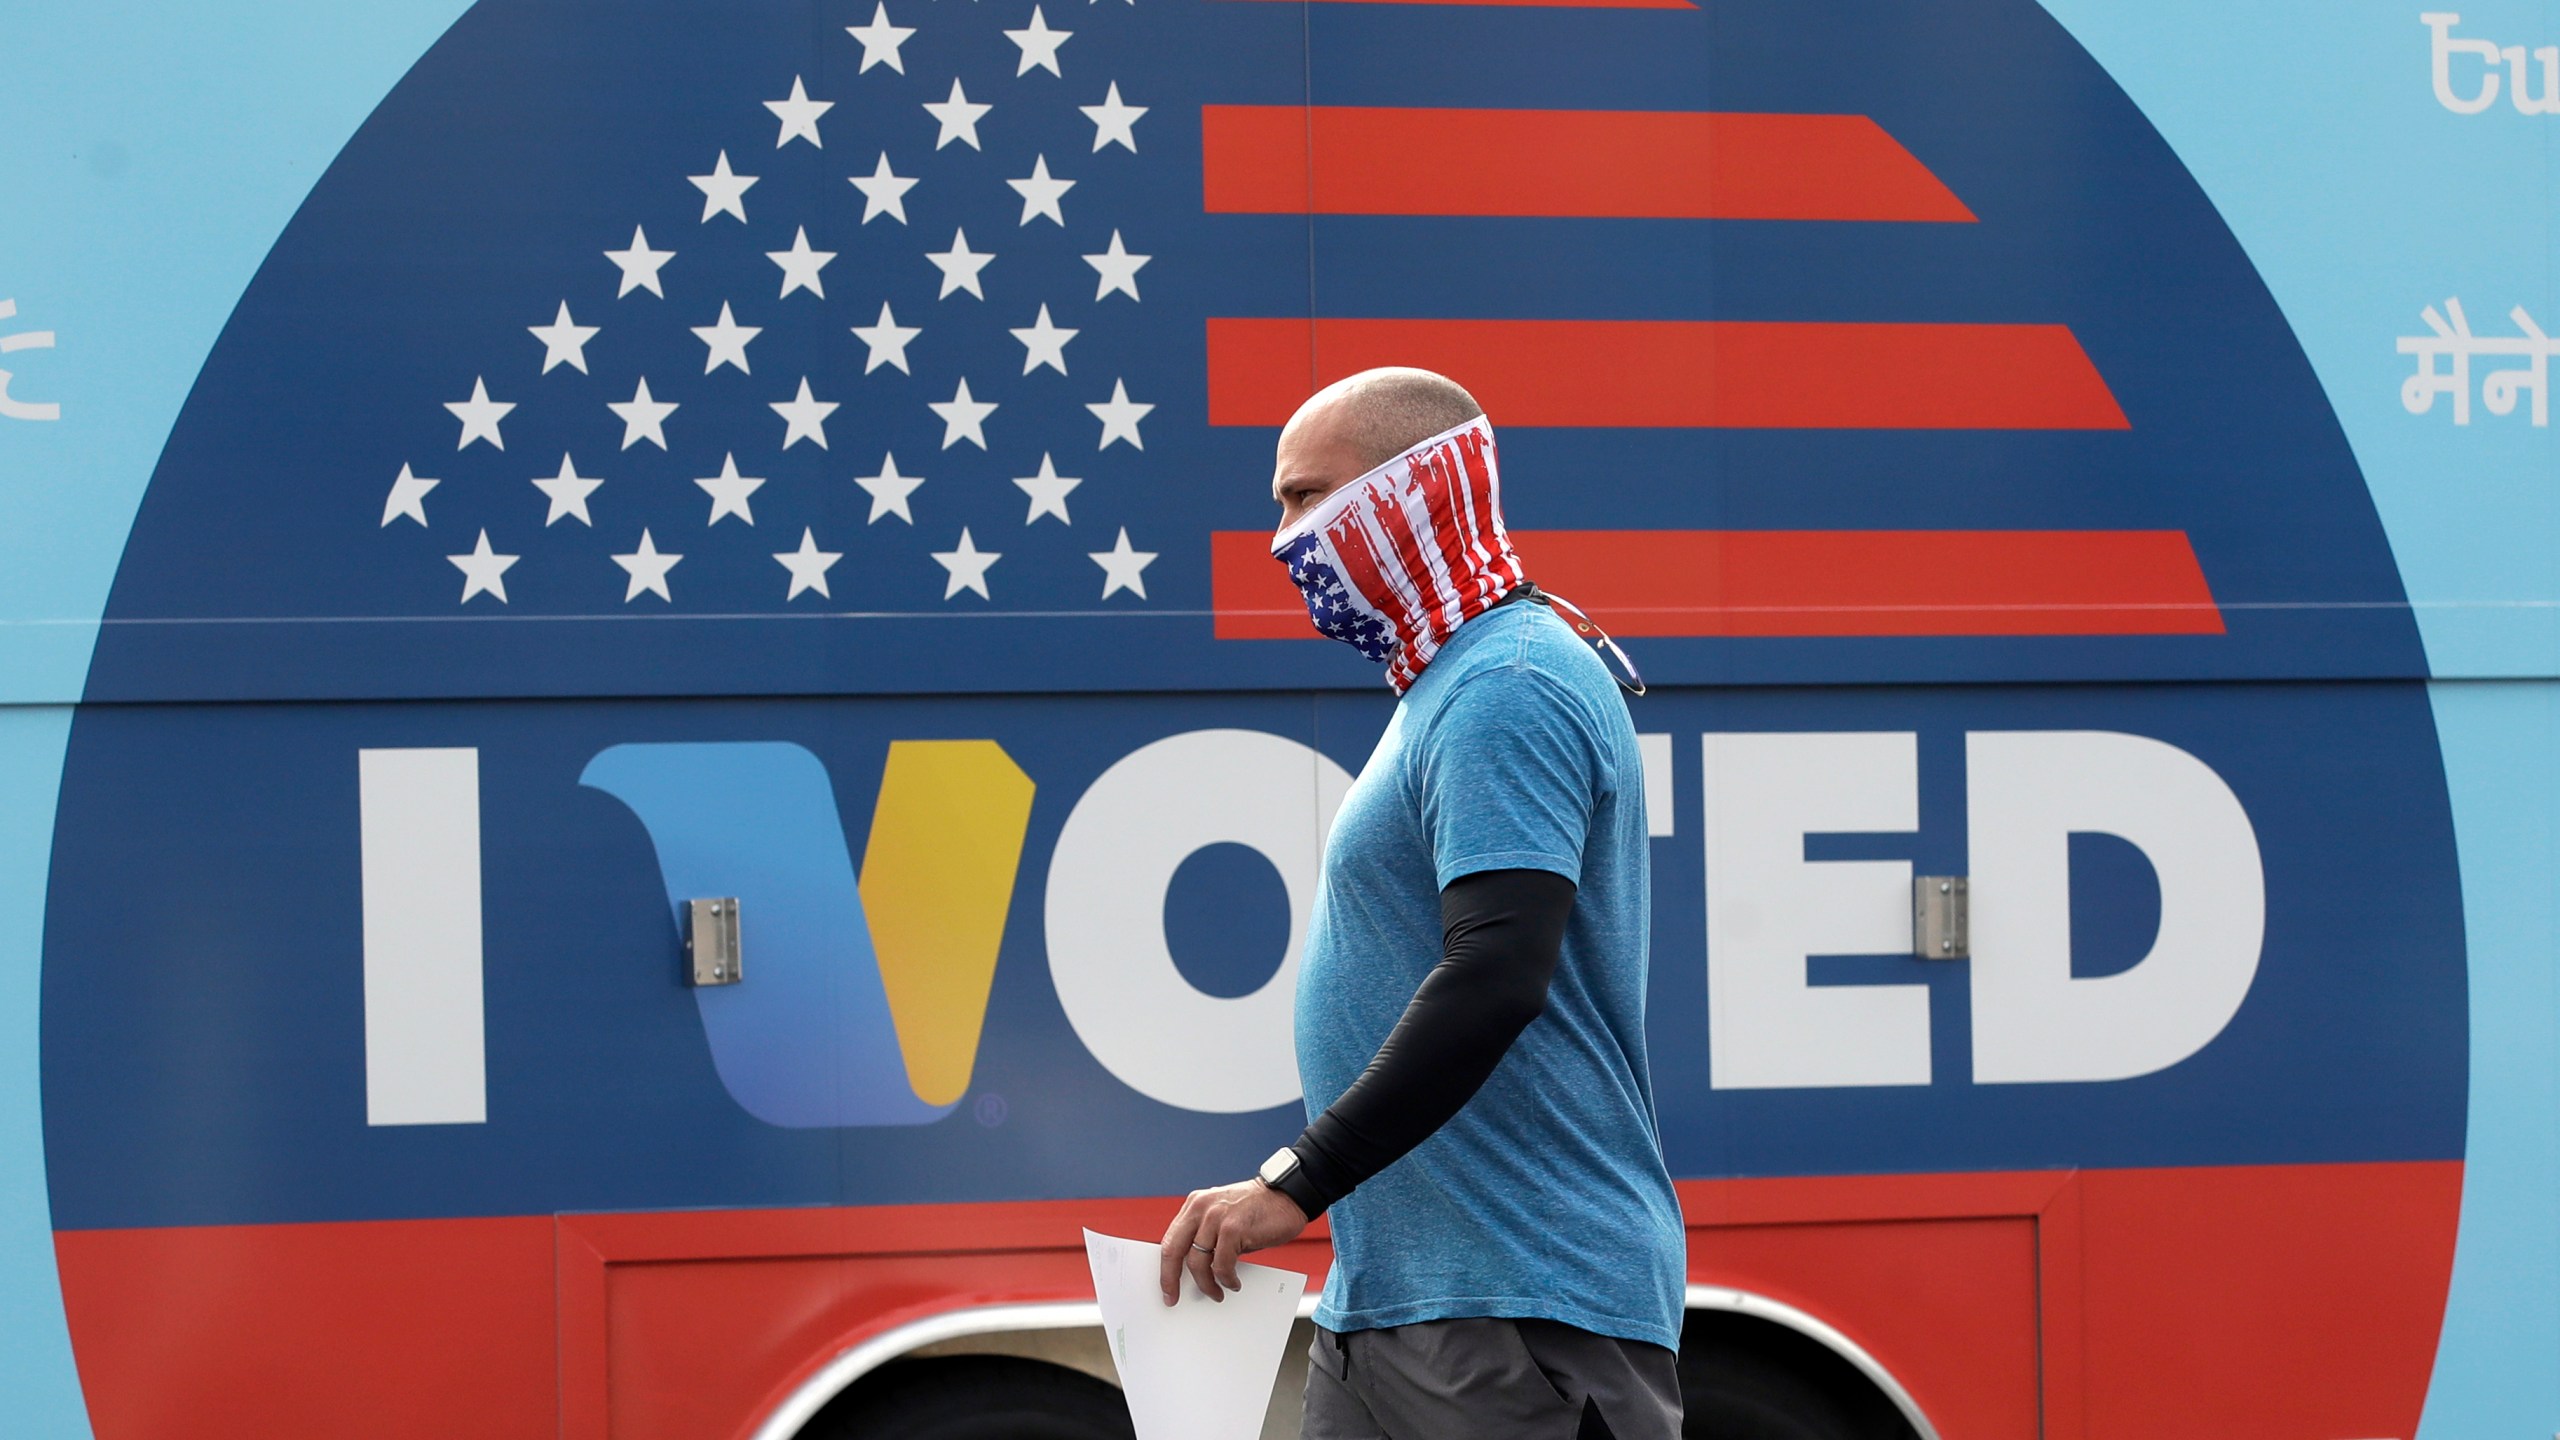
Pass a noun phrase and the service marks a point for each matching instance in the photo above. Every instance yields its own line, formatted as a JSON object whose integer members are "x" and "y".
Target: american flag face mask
{"x": 1394, "y": 562}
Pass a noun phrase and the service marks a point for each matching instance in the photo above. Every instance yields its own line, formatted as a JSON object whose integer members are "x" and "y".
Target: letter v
{"x": 812, "y": 1037}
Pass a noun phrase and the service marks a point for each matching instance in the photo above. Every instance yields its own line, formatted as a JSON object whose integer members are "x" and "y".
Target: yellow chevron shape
{"x": 937, "y": 879}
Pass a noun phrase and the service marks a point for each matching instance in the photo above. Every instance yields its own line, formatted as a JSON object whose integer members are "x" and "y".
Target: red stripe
{"x": 1731, "y": 374}
{"x": 1983, "y": 1294}
{"x": 1673, "y": 165}
{"x": 1473, "y": 496}
{"x": 1482, "y": 471}
{"x": 1809, "y": 582}
{"x": 1427, "y": 596}
{"x": 1445, "y": 509}
{"x": 1367, "y": 573}
{"x": 1484, "y": 517}
{"x": 390, "y": 1330}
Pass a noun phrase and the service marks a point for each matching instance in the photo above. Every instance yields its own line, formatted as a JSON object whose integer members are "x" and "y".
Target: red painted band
{"x": 1655, "y": 374}
{"x": 2285, "y": 1300}
{"x": 1680, "y": 165}
{"x": 1808, "y": 582}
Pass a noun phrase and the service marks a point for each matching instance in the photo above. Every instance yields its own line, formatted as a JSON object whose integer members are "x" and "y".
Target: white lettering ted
{"x": 1769, "y": 909}
{"x": 2026, "y": 794}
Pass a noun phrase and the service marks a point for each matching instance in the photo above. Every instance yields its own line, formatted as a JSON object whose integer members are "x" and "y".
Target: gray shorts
{"x": 1489, "y": 1380}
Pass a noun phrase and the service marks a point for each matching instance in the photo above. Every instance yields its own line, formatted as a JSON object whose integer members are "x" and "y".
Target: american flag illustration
{"x": 1254, "y": 159}
{"x": 628, "y": 504}
{"x": 613, "y": 351}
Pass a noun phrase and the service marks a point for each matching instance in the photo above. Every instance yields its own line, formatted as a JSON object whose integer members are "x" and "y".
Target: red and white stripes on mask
{"x": 1394, "y": 562}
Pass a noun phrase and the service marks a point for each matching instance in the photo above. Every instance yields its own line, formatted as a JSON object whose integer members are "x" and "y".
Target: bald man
{"x": 1508, "y": 1254}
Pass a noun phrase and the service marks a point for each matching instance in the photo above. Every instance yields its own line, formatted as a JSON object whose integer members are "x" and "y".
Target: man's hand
{"x": 1215, "y": 1226}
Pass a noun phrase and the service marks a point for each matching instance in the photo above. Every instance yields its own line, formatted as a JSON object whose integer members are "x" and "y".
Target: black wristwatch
{"x": 1285, "y": 1173}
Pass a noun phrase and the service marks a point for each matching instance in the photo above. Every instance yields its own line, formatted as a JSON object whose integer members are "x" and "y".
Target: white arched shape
{"x": 1778, "y": 1312}
{"x": 1115, "y": 858}
{"x": 838, "y": 1375}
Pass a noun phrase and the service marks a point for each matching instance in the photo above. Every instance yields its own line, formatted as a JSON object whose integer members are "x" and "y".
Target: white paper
{"x": 1200, "y": 1370}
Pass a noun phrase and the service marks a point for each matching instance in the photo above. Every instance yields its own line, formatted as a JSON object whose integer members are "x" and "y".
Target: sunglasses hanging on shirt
{"x": 1620, "y": 668}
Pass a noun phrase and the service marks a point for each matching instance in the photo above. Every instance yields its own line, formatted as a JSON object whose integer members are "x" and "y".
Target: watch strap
{"x": 1297, "y": 1184}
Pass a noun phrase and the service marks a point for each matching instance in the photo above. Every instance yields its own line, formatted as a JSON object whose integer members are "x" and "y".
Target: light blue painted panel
{"x": 2498, "y": 1370}
{"x": 35, "y": 1347}
{"x": 153, "y": 153}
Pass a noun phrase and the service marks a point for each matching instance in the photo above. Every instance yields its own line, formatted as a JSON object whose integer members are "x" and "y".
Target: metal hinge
{"x": 711, "y": 942}
{"x": 1941, "y": 927}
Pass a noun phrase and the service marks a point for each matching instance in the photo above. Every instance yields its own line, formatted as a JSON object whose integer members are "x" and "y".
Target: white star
{"x": 889, "y": 491}
{"x": 408, "y": 496}
{"x": 722, "y": 191}
{"x": 640, "y": 265}
{"x": 1048, "y": 491}
{"x": 888, "y": 341}
{"x": 804, "y": 418}
{"x": 482, "y": 568}
{"x": 1122, "y": 567}
{"x": 563, "y": 339}
{"x": 729, "y": 491}
{"x": 960, "y": 265}
{"x": 568, "y": 491}
{"x": 1044, "y": 343}
{"x": 1114, "y": 122}
{"x": 800, "y": 265}
{"x": 1039, "y": 45}
{"x": 808, "y": 565}
{"x": 1120, "y": 416}
{"x": 963, "y": 417}
{"x": 480, "y": 416}
{"x": 642, "y": 417}
{"x": 1041, "y": 192}
{"x": 880, "y": 40}
{"x": 959, "y": 116}
{"x": 967, "y": 566}
{"x": 799, "y": 116}
{"x": 648, "y": 569}
{"x": 883, "y": 191}
{"x": 727, "y": 341}
{"x": 1118, "y": 269}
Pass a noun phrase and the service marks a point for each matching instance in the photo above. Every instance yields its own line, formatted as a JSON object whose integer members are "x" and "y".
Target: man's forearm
{"x": 1502, "y": 932}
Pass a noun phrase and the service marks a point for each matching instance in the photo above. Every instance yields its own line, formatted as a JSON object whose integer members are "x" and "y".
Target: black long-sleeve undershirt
{"x": 1502, "y": 932}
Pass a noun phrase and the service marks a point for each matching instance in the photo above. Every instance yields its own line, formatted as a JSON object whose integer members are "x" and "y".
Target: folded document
{"x": 1199, "y": 1370}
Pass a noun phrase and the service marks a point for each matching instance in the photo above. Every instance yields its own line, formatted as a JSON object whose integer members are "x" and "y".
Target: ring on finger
{"x": 1203, "y": 1249}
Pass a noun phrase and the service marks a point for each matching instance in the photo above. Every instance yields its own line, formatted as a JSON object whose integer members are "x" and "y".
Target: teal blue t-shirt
{"x": 1546, "y": 1196}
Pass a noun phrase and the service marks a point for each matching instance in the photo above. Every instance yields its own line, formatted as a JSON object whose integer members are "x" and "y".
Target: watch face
{"x": 1277, "y": 1168}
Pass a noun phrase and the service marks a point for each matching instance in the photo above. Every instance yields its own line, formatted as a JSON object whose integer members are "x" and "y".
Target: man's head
{"x": 1357, "y": 424}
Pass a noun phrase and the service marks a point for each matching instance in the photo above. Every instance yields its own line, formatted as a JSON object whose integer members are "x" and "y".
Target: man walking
{"x": 1470, "y": 1018}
